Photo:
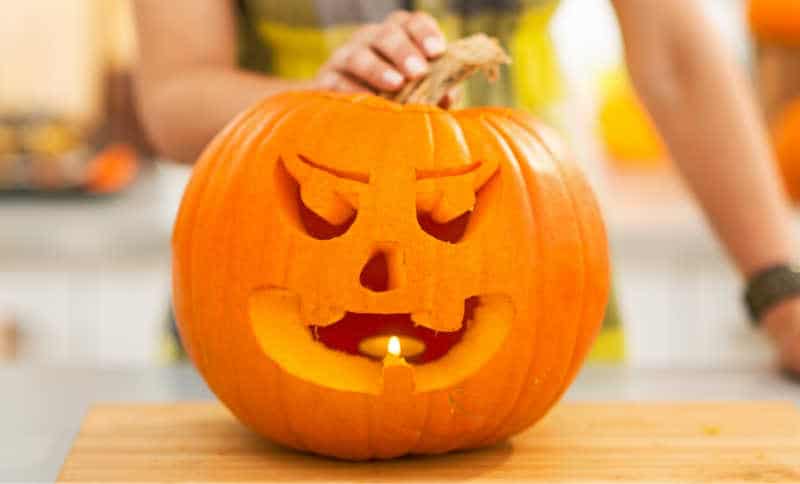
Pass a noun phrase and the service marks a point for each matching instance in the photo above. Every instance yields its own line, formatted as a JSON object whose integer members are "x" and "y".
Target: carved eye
{"x": 459, "y": 199}
{"x": 318, "y": 227}
{"x": 452, "y": 231}
{"x": 332, "y": 217}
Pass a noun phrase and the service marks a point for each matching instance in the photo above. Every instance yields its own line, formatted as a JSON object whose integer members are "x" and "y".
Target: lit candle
{"x": 393, "y": 346}
{"x": 398, "y": 375}
{"x": 379, "y": 346}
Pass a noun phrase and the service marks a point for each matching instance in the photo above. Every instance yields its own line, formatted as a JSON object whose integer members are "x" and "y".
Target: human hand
{"x": 384, "y": 57}
{"x": 782, "y": 324}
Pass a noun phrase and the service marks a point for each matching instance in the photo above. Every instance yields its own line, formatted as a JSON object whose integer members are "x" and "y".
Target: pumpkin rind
{"x": 775, "y": 21}
{"x": 535, "y": 237}
{"x": 786, "y": 141}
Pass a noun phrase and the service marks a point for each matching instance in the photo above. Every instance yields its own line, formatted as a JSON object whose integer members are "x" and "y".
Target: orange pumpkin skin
{"x": 775, "y": 21}
{"x": 535, "y": 252}
{"x": 786, "y": 142}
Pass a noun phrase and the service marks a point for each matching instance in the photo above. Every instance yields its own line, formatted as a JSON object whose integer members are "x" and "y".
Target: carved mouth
{"x": 351, "y": 332}
{"x": 332, "y": 355}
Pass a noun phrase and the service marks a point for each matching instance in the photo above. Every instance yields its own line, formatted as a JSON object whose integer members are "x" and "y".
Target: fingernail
{"x": 415, "y": 66}
{"x": 392, "y": 77}
{"x": 433, "y": 45}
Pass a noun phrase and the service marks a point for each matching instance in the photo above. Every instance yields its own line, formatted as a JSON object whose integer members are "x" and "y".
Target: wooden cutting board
{"x": 578, "y": 442}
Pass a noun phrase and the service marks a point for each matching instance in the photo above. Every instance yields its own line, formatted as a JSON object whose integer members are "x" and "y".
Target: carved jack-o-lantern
{"x": 318, "y": 228}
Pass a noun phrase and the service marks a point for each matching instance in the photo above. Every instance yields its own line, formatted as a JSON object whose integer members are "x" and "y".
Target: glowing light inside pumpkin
{"x": 393, "y": 346}
{"x": 381, "y": 346}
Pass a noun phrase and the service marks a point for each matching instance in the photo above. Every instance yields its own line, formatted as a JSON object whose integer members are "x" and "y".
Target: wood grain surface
{"x": 576, "y": 443}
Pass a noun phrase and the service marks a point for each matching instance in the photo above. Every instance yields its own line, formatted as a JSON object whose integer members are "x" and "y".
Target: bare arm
{"x": 707, "y": 115}
{"x": 188, "y": 84}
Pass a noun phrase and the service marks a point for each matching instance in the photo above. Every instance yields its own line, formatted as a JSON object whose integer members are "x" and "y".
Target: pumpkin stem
{"x": 461, "y": 60}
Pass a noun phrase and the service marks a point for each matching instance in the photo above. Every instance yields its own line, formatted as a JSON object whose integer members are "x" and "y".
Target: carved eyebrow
{"x": 347, "y": 175}
{"x": 420, "y": 174}
{"x": 452, "y": 171}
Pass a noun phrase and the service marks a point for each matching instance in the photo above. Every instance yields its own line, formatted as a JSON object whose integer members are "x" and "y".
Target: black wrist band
{"x": 770, "y": 287}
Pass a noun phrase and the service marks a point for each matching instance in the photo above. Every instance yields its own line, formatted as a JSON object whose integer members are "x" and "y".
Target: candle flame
{"x": 393, "y": 346}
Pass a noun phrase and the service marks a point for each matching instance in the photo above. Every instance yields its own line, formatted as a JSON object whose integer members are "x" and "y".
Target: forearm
{"x": 715, "y": 138}
{"x": 188, "y": 84}
{"x": 703, "y": 108}
{"x": 183, "y": 113}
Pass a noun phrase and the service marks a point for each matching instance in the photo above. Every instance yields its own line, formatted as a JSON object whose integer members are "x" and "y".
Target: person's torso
{"x": 293, "y": 39}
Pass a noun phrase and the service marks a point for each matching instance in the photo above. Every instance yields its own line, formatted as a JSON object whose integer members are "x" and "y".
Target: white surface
{"x": 89, "y": 279}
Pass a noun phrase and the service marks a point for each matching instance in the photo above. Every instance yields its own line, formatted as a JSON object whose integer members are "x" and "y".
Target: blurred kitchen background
{"x": 86, "y": 211}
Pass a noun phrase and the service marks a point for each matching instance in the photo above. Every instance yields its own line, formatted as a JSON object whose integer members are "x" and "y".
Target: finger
{"x": 365, "y": 34}
{"x": 398, "y": 17}
{"x": 335, "y": 81}
{"x": 364, "y": 65}
{"x": 338, "y": 59}
{"x": 425, "y": 32}
{"x": 394, "y": 43}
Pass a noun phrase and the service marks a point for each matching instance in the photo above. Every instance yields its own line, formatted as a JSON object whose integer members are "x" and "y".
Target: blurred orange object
{"x": 629, "y": 136}
{"x": 113, "y": 169}
{"x": 786, "y": 140}
{"x": 9, "y": 337}
{"x": 776, "y": 21}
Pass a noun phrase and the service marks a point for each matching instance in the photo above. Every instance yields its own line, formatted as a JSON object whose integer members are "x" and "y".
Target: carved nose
{"x": 383, "y": 271}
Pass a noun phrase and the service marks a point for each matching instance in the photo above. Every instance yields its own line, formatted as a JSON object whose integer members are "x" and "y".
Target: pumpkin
{"x": 786, "y": 142}
{"x": 316, "y": 223}
{"x": 775, "y": 21}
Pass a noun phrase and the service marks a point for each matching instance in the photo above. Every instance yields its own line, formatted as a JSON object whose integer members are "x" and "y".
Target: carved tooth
{"x": 445, "y": 317}
{"x": 448, "y": 316}
{"x": 319, "y": 315}
{"x": 422, "y": 318}
{"x": 330, "y": 315}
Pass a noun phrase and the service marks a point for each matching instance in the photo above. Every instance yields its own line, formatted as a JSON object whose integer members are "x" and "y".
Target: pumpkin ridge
{"x": 470, "y": 437}
{"x": 283, "y": 384}
{"x": 430, "y": 139}
{"x": 456, "y": 440}
{"x": 488, "y": 431}
{"x": 569, "y": 182}
{"x": 431, "y": 152}
{"x": 232, "y": 136}
{"x": 262, "y": 134}
{"x": 478, "y": 133}
{"x": 574, "y": 179}
{"x": 187, "y": 213}
{"x": 498, "y": 428}
{"x": 286, "y": 380}
{"x": 230, "y": 196}
{"x": 551, "y": 372}
{"x": 581, "y": 314}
